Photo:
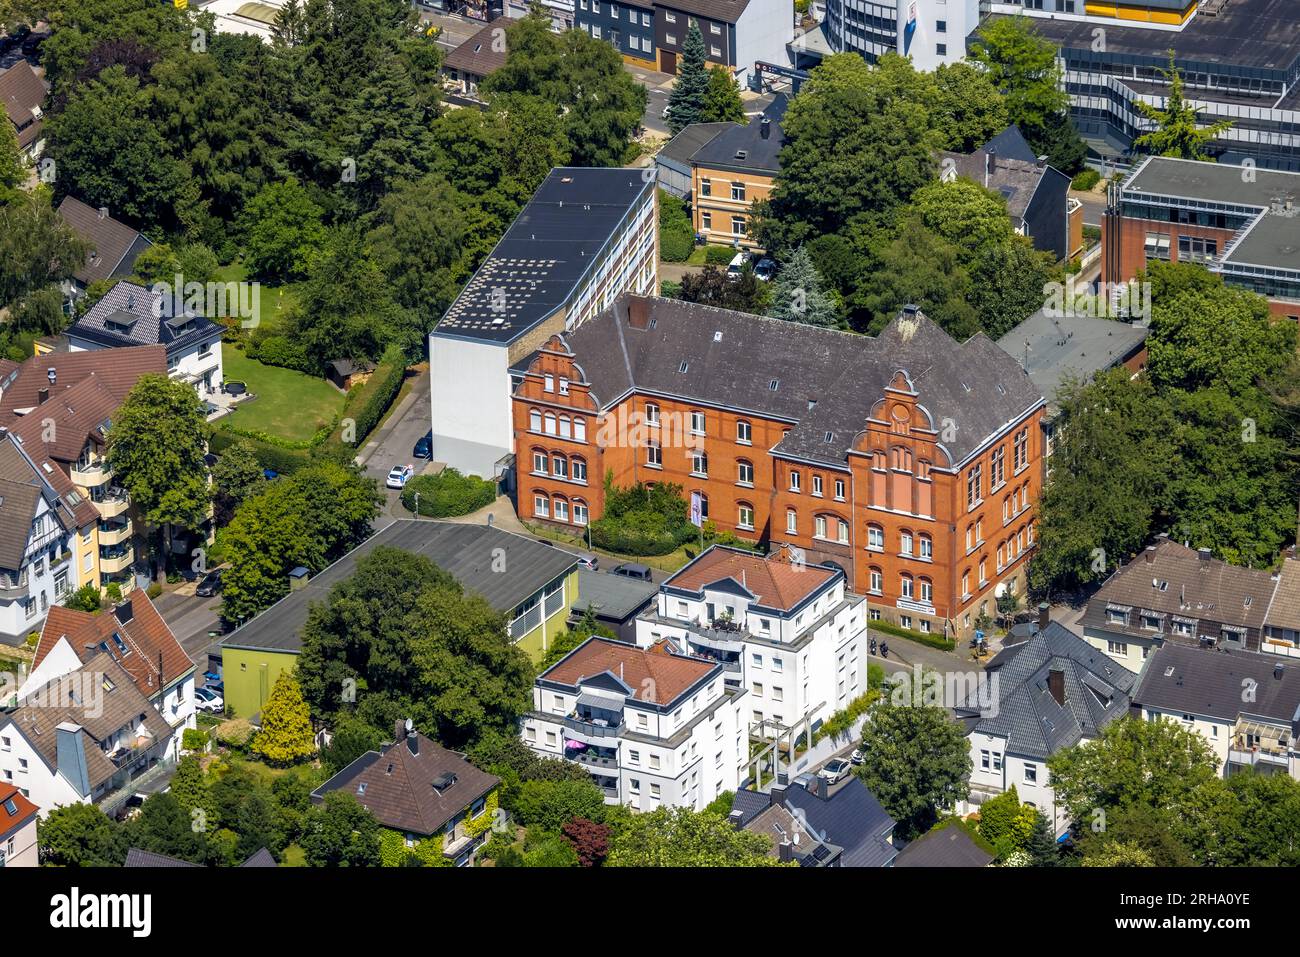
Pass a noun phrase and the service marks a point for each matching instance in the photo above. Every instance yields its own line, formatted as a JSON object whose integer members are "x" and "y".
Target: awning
{"x": 605, "y": 700}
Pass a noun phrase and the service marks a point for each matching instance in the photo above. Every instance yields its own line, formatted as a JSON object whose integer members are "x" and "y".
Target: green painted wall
{"x": 250, "y": 675}
{"x": 539, "y": 639}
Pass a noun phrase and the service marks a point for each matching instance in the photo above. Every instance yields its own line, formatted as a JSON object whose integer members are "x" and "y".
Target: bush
{"x": 114, "y": 591}
{"x": 676, "y": 236}
{"x": 276, "y": 350}
{"x": 841, "y": 721}
{"x": 640, "y": 520}
{"x": 448, "y": 493}
{"x": 934, "y": 641}
{"x": 194, "y": 740}
{"x": 366, "y": 406}
{"x": 154, "y": 590}
{"x": 718, "y": 255}
{"x": 1086, "y": 180}
{"x": 670, "y": 289}
{"x": 235, "y": 733}
{"x": 85, "y": 598}
{"x": 269, "y": 456}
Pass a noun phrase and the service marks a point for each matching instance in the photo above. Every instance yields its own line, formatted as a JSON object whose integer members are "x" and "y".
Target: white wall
{"x": 469, "y": 396}
{"x": 14, "y": 615}
{"x": 762, "y": 32}
{"x": 39, "y": 782}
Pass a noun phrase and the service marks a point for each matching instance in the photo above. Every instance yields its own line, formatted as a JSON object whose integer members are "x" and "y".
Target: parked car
{"x": 737, "y": 264}
{"x": 210, "y": 585}
{"x": 807, "y": 781}
{"x": 765, "y": 269}
{"x": 207, "y": 700}
{"x": 588, "y": 561}
{"x": 835, "y": 770}
{"x": 857, "y": 757}
{"x": 399, "y": 475}
{"x": 632, "y": 570}
{"x": 424, "y": 448}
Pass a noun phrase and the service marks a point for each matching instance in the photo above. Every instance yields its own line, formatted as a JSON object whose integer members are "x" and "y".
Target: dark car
{"x": 632, "y": 570}
{"x": 210, "y": 585}
{"x": 424, "y": 448}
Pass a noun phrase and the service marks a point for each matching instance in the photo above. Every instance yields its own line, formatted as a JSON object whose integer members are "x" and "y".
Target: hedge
{"x": 277, "y": 350}
{"x": 268, "y": 456}
{"x": 934, "y": 641}
{"x": 366, "y": 406}
{"x": 449, "y": 493}
{"x": 1086, "y": 180}
{"x": 719, "y": 255}
{"x": 676, "y": 236}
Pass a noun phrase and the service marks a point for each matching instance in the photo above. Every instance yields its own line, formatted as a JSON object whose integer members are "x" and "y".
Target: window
{"x": 645, "y": 21}
{"x": 700, "y": 464}
{"x": 560, "y": 466}
{"x": 550, "y": 421}
{"x": 706, "y": 220}
{"x": 579, "y": 470}
{"x": 535, "y": 420}
{"x": 1157, "y": 246}
{"x": 541, "y": 505}
{"x": 564, "y": 386}
{"x": 548, "y": 382}
{"x": 927, "y": 547}
{"x": 1117, "y": 648}
{"x": 905, "y": 543}
{"x": 670, "y": 18}
{"x": 737, "y": 189}
{"x": 715, "y": 29}
{"x": 745, "y": 516}
{"x": 744, "y": 432}
{"x": 745, "y": 472}
{"x": 941, "y": 26}
{"x": 795, "y": 480}
{"x": 539, "y": 462}
{"x": 905, "y": 583}
{"x": 974, "y": 486}
{"x": 839, "y": 490}
{"x": 1031, "y": 773}
{"x": 927, "y": 591}
{"x": 706, "y": 187}
{"x": 579, "y": 513}
{"x": 875, "y": 538}
{"x": 654, "y": 455}
{"x": 941, "y": 49}
{"x": 670, "y": 39}
{"x": 817, "y": 485}
{"x": 697, "y": 423}
{"x": 819, "y": 525}
{"x": 651, "y": 414}
{"x": 595, "y": 28}
{"x": 561, "y": 510}
{"x": 842, "y": 531}
{"x": 1021, "y": 443}
{"x": 984, "y": 759}
{"x": 1197, "y": 249}
{"x": 792, "y": 522}
{"x": 737, "y": 225}
{"x": 998, "y": 467}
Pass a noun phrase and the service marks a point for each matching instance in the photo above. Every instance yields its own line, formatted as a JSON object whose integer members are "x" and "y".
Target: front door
{"x": 667, "y": 62}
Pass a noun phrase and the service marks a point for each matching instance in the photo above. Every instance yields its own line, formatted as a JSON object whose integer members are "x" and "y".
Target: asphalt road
{"x": 192, "y": 620}
{"x": 393, "y": 443}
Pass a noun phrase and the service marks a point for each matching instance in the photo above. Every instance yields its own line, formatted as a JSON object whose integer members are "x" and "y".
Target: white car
{"x": 399, "y": 475}
{"x": 835, "y": 770}
{"x": 210, "y": 701}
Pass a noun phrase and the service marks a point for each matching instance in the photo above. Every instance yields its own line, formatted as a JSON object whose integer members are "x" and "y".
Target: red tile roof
{"x": 775, "y": 581}
{"x": 656, "y": 676}
{"x": 24, "y": 810}
{"x": 117, "y": 369}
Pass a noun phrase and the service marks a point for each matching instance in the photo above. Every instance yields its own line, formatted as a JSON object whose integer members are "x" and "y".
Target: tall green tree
{"x": 917, "y": 764}
{"x": 80, "y": 835}
{"x": 340, "y": 833}
{"x": 13, "y": 171}
{"x": 722, "y": 102}
{"x": 284, "y": 232}
{"x": 1177, "y": 132}
{"x": 236, "y": 475}
{"x": 37, "y": 248}
{"x": 799, "y": 296}
{"x": 286, "y": 733}
{"x": 968, "y": 109}
{"x": 681, "y": 837}
{"x": 686, "y": 102}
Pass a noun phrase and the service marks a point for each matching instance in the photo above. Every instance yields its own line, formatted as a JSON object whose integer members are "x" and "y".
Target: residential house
{"x": 673, "y": 162}
{"x": 949, "y": 845}
{"x": 1246, "y": 706}
{"x": 88, "y": 736}
{"x": 18, "y": 844}
{"x": 1053, "y": 692}
{"x": 43, "y": 519}
{"x": 131, "y": 315}
{"x": 910, "y": 461}
{"x": 1238, "y": 221}
{"x": 1037, "y": 194}
{"x": 653, "y": 726}
{"x": 533, "y": 584}
{"x": 416, "y": 786}
{"x": 134, "y": 635}
{"x": 585, "y": 237}
{"x": 789, "y": 633}
{"x": 60, "y": 407}
{"x": 614, "y": 601}
{"x": 23, "y": 93}
{"x": 1174, "y": 593}
{"x": 477, "y": 58}
{"x": 732, "y": 171}
{"x": 135, "y": 857}
{"x": 769, "y": 815}
{"x": 843, "y": 817}
{"x": 1281, "y": 635}
{"x": 112, "y": 246}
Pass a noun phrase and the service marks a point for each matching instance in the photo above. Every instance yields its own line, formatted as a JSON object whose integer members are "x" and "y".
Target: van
{"x": 632, "y": 570}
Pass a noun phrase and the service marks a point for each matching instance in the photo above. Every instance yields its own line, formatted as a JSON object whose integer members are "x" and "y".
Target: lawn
{"x": 273, "y": 301}
{"x": 289, "y": 404}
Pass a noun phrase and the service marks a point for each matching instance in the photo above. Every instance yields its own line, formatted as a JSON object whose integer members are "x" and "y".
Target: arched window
{"x": 704, "y": 506}
{"x": 580, "y": 516}
{"x": 745, "y": 516}
{"x": 541, "y": 462}
{"x": 745, "y": 472}
{"x": 578, "y": 468}
{"x": 927, "y": 547}
{"x": 792, "y": 521}
{"x": 535, "y": 420}
{"x": 549, "y": 419}
{"x": 541, "y": 504}
{"x": 905, "y": 542}
{"x": 876, "y": 580}
{"x": 819, "y": 526}
{"x": 905, "y": 583}
{"x": 561, "y": 508}
{"x": 744, "y": 432}
{"x": 842, "y": 531}
{"x": 559, "y": 466}
{"x": 565, "y": 427}
{"x": 875, "y": 538}
{"x": 927, "y": 591}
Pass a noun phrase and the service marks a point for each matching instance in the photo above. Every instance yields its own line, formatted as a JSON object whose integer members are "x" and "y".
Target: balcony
{"x": 113, "y": 502}
{"x": 590, "y": 729}
{"x": 116, "y": 559}
{"x": 721, "y": 635}
{"x": 115, "y": 533}
{"x": 1249, "y": 751}
{"x": 90, "y": 475}
{"x": 13, "y": 587}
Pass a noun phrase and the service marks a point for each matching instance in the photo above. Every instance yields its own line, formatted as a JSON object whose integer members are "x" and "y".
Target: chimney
{"x": 413, "y": 742}
{"x": 103, "y": 212}
{"x": 821, "y": 787}
{"x": 1044, "y": 615}
{"x": 785, "y": 851}
{"x": 990, "y": 164}
{"x": 765, "y": 128}
{"x": 638, "y": 312}
{"x": 1150, "y": 554}
{"x": 1204, "y": 555}
{"x": 70, "y": 754}
{"x": 1278, "y": 671}
{"x": 910, "y": 310}
{"x": 1056, "y": 684}
{"x": 399, "y": 730}
{"x": 1041, "y": 161}
{"x": 123, "y": 611}
{"x": 42, "y": 395}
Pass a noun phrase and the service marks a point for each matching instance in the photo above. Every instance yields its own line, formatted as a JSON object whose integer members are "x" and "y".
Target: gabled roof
{"x": 114, "y": 246}
{"x": 413, "y": 785}
{"x": 727, "y": 11}
{"x": 657, "y": 676}
{"x": 851, "y": 817}
{"x": 133, "y": 633}
{"x": 1213, "y": 683}
{"x": 22, "y": 92}
{"x": 15, "y": 810}
{"x": 946, "y": 846}
{"x": 774, "y": 581}
{"x": 1012, "y": 144}
{"x": 138, "y": 858}
{"x": 479, "y": 55}
{"x": 117, "y": 372}
{"x": 823, "y": 381}
{"x": 131, "y": 315}
{"x": 1284, "y": 608}
{"x": 745, "y": 148}
{"x": 689, "y": 141}
{"x": 1035, "y": 725}
{"x": 24, "y": 481}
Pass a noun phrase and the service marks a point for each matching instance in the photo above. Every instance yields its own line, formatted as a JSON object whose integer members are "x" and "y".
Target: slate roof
{"x": 773, "y": 581}
{"x": 690, "y": 140}
{"x": 544, "y": 255}
{"x": 778, "y": 824}
{"x": 761, "y": 153}
{"x": 397, "y": 784}
{"x": 1097, "y": 691}
{"x": 727, "y": 11}
{"x": 948, "y": 846}
{"x": 1052, "y": 349}
{"x": 1193, "y": 588}
{"x": 1015, "y": 180}
{"x": 128, "y": 303}
{"x": 1012, "y": 144}
{"x": 464, "y": 551}
{"x": 143, "y": 633}
{"x": 477, "y": 55}
{"x": 22, "y": 92}
{"x": 99, "y": 720}
{"x": 135, "y": 857}
{"x": 850, "y": 817}
{"x": 656, "y": 675}
{"x": 1210, "y": 682}
{"x": 114, "y": 246}
{"x": 826, "y": 381}
{"x": 612, "y": 596}
{"x": 1284, "y": 608}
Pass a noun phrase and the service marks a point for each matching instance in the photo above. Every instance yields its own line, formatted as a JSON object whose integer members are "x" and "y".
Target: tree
{"x": 37, "y": 247}
{"x": 1042, "y": 849}
{"x": 1157, "y": 764}
{"x": 573, "y": 636}
{"x": 286, "y": 734}
{"x": 549, "y": 805}
{"x": 1140, "y": 826}
{"x": 165, "y": 826}
{"x": 190, "y": 788}
{"x": 13, "y": 171}
{"x": 236, "y": 475}
{"x": 686, "y": 102}
{"x": 283, "y": 231}
{"x": 722, "y": 102}
{"x": 80, "y": 835}
{"x": 589, "y": 840}
{"x": 1118, "y": 854}
{"x": 968, "y": 109}
{"x": 1177, "y": 133}
{"x": 156, "y": 446}
{"x": 681, "y": 837}
{"x": 918, "y": 762}
{"x": 1006, "y": 823}
{"x": 350, "y": 738}
{"x": 86, "y": 598}
{"x": 340, "y": 833}
{"x": 711, "y": 287}
{"x": 799, "y": 297}
{"x": 964, "y": 213}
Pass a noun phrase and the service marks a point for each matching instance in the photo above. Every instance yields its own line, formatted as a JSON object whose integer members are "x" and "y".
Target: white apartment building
{"x": 585, "y": 237}
{"x": 790, "y": 634}
{"x": 929, "y": 32}
{"x": 654, "y": 727}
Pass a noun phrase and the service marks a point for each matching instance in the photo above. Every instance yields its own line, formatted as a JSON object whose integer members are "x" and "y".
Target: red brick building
{"x": 909, "y": 460}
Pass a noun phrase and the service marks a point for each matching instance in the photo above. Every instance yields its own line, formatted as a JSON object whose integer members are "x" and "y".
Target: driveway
{"x": 392, "y": 442}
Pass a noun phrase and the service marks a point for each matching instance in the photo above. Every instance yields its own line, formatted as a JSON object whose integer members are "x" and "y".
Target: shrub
{"x": 276, "y": 350}
{"x": 85, "y": 598}
{"x": 1086, "y": 180}
{"x": 269, "y": 455}
{"x": 670, "y": 289}
{"x": 718, "y": 255}
{"x": 235, "y": 733}
{"x": 841, "y": 721}
{"x": 194, "y": 740}
{"x": 366, "y": 406}
{"x": 676, "y": 237}
{"x": 114, "y": 591}
{"x": 640, "y": 520}
{"x": 154, "y": 590}
{"x": 448, "y": 493}
{"x": 934, "y": 641}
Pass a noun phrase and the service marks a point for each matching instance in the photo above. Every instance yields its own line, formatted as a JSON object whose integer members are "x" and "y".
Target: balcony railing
{"x": 91, "y": 474}
{"x": 13, "y": 587}
{"x": 599, "y": 728}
